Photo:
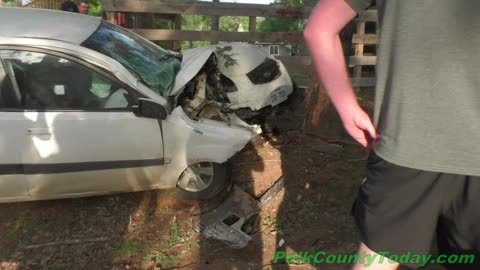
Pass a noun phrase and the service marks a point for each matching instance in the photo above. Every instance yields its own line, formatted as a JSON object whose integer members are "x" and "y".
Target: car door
{"x": 83, "y": 137}
{"x": 13, "y": 186}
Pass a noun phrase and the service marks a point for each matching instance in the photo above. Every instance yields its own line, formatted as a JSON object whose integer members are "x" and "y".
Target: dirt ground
{"x": 155, "y": 230}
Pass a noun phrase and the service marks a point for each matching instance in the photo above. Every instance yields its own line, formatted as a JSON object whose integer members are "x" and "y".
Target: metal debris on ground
{"x": 234, "y": 221}
{"x": 272, "y": 191}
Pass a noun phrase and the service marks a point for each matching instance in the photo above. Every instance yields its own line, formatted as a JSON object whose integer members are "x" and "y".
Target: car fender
{"x": 187, "y": 142}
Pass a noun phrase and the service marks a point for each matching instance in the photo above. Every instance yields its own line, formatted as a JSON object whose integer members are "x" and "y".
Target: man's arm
{"x": 322, "y": 37}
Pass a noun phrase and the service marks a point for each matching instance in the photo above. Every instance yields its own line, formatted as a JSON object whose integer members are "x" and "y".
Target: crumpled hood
{"x": 193, "y": 60}
{"x": 234, "y": 59}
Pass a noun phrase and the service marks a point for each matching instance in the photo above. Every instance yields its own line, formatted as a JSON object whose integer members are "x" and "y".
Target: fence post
{"x": 252, "y": 25}
{"x": 215, "y": 24}
{"x": 110, "y": 17}
{"x": 360, "y": 59}
{"x": 177, "y": 25}
{"x": 357, "y": 70}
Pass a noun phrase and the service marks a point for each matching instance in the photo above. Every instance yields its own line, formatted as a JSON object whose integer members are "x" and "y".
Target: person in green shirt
{"x": 423, "y": 171}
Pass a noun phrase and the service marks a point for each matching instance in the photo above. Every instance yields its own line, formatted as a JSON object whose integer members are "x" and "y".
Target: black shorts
{"x": 401, "y": 210}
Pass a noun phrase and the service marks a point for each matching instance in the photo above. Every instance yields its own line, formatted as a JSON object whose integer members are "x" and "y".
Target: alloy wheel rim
{"x": 197, "y": 177}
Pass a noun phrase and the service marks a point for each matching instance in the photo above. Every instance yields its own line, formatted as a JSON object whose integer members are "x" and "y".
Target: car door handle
{"x": 39, "y": 131}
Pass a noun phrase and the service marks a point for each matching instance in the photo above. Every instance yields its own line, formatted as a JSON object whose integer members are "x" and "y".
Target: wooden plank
{"x": 368, "y": 16}
{"x": 252, "y": 24}
{"x": 295, "y": 60}
{"x": 362, "y": 61}
{"x": 368, "y": 39}
{"x": 359, "y": 48}
{"x": 110, "y": 17}
{"x": 215, "y": 24}
{"x": 205, "y": 8}
{"x": 177, "y": 25}
{"x": 363, "y": 82}
{"x": 273, "y": 37}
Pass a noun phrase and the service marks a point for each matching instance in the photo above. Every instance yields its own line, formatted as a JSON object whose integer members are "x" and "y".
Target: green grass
{"x": 274, "y": 223}
{"x": 129, "y": 248}
{"x": 167, "y": 259}
{"x": 176, "y": 235}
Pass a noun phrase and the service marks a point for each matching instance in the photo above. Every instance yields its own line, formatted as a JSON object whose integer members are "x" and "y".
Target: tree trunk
{"x": 322, "y": 119}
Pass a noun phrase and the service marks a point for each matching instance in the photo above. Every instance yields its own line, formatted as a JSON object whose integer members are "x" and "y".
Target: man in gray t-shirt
{"x": 423, "y": 176}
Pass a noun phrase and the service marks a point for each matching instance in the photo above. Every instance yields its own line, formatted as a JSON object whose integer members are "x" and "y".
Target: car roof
{"x": 47, "y": 24}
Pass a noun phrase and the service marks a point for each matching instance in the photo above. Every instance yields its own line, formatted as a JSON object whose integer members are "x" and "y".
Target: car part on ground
{"x": 233, "y": 222}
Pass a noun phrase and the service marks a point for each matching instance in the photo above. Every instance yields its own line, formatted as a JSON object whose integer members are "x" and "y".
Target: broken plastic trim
{"x": 228, "y": 85}
{"x": 234, "y": 221}
{"x": 265, "y": 73}
{"x": 200, "y": 107}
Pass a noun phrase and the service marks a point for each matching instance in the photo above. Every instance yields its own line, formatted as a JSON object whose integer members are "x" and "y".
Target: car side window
{"x": 43, "y": 81}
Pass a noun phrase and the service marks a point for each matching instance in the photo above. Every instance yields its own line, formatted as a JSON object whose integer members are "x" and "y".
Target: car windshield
{"x": 154, "y": 66}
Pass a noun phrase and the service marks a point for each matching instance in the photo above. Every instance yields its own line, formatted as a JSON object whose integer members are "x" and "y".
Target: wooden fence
{"x": 160, "y": 21}
{"x": 118, "y": 10}
{"x": 361, "y": 59}
{"x": 111, "y": 7}
{"x": 47, "y": 4}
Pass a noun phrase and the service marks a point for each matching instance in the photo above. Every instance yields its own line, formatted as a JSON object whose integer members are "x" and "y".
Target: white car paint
{"x": 189, "y": 142}
{"x": 245, "y": 59}
{"x": 96, "y": 137}
{"x": 89, "y": 137}
{"x": 66, "y": 137}
{"x": 12, "y": 186}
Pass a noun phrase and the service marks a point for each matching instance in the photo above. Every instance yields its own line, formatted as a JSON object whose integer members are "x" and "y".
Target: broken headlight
{"x": 228, "y": 84}
{"x": 265, "y": 73}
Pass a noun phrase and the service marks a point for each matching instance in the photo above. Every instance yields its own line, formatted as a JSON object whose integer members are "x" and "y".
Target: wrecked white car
{"x": 88, "y": 108}
{"x": 236, "y": 76}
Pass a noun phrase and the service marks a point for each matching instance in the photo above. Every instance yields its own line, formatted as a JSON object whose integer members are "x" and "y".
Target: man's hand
{"x": 322, "y": 37}
{"x": 359, "y": 125}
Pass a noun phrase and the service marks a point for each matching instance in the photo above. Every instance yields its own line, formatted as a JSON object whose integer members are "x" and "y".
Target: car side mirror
{"x": 150, "y": 109}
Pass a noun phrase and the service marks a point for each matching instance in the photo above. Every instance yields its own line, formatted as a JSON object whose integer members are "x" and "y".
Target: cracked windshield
{"x": 153, "y": 66}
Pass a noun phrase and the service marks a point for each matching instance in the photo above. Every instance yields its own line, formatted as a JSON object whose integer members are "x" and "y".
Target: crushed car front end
{"x": 237, "y": 76}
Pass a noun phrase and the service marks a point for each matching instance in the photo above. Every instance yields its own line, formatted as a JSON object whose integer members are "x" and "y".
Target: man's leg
{"x": 459, "y": 227}
{"x": 376, "y": 265}
{"x": 397, "y": 211}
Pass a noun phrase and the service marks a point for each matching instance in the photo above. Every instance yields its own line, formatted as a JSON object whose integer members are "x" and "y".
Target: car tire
{"x": 210, "y": 187}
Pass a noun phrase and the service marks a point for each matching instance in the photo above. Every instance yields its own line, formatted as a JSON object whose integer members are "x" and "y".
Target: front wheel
{"x": 202, "y": 181}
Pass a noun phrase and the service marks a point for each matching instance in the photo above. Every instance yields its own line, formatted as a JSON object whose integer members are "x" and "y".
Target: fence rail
{"x": 179, "y": 35}
{"x": 204, "y": 8}
{"x": 47, "y": 4}
{"x": 214, "y": 9}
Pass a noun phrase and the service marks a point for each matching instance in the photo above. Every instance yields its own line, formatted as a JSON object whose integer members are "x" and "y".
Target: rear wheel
{"x": 202, "y": 181}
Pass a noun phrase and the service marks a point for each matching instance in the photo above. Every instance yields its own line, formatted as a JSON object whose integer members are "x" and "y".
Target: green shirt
{"x": 427, "y": 106}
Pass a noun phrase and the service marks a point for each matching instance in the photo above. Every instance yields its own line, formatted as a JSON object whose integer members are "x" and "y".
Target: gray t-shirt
{"x": 427, "y": 106}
